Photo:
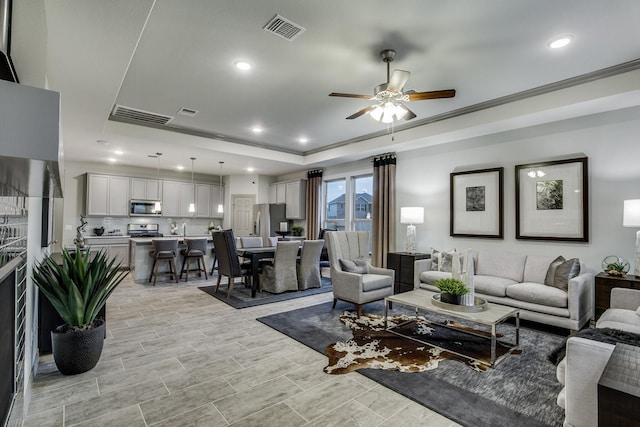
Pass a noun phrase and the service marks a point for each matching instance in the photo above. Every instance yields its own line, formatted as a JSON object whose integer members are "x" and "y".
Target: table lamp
{"x": 631, "y": 218}
{"x": 411, "y": 215}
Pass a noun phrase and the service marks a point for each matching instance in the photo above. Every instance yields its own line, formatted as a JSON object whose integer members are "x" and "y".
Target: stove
{"x": 143, "y": 230}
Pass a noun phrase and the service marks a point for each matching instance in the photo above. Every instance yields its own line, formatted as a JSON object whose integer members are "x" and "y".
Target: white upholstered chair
{"x": 349, "y": 249}
{"x": 282, "y": 275}
{"x": 309, "y": 266}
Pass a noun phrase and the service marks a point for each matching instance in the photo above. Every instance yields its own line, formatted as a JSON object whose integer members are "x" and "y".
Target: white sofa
{"x": 517, "y": 280}
{"x": 586, "y": 359}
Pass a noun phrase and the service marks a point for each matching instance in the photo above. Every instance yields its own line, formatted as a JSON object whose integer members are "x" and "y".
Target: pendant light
{"x": 192, "y": 205}
{"x": 220, "y": 205}
{"x": 157, "y": 207}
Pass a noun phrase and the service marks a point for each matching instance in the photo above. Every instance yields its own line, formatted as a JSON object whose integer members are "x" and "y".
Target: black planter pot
{"x": 77, "y": 352}
{"x": 451, "y": 299}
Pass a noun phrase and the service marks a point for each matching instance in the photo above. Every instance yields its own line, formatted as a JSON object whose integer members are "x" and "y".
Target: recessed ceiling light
{"x": 112, "y": 160}
{"x": 257, "y": 129}
{"x": 559, "y": 42}
{"x": 179, "y": 167}
{"x": 303, "y": 140}
{"x": 242, "y": 65}
{"x": 102, "y": 142}
{"x": 119, "y": 152}
{"x": 250, "y": 169}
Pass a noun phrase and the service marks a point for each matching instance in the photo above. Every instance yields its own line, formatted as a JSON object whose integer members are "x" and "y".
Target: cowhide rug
{"x": 375, "y": 348}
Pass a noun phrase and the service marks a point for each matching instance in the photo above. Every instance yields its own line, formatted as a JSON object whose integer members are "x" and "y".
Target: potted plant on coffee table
{"x": 78, "y": 288}
{"x": 451, "y": 290}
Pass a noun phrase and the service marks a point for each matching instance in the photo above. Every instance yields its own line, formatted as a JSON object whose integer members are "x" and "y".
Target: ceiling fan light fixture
{"x": 376, "y": 113}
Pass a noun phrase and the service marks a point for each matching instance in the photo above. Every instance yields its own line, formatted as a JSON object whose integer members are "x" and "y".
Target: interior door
{"x": 243, "y": 214}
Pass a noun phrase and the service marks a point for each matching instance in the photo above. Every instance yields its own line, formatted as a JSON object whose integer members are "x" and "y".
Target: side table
{"x": 403, "y": 264}
{"x": 604, "y": 284}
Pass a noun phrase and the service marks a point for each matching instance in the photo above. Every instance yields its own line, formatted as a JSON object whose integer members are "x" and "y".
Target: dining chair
{"x": 324, "y": 256}
{"x": 309, "y": 266}
{"x": 282, "y": 275}
{"x": 195, "y": 250}
{"x": 164, "y": 250}
{"x": 353, "y": 278}
{"x": 228, "y": 263}
{"x": 251, "y": 242}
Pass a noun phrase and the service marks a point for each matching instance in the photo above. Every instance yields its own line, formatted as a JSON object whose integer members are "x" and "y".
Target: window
{"x": 361, "y": 196}
{"x": 335, "y": 204}
{"x": 348, "y": 203}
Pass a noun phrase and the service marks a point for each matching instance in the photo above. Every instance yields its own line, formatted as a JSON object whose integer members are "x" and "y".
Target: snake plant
{"x": 78, "y": 288}
{"x": 451, "y": 286}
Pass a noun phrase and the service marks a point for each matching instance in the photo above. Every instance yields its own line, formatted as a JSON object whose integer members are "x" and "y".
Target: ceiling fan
{"x": 387, "y": 96}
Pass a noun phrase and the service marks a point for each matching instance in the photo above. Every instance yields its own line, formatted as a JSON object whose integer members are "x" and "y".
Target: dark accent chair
{"x": 324, "y": 255}
{"x": 228, "y": 263}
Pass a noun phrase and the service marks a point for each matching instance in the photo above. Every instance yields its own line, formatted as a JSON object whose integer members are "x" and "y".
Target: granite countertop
{"x": 148, "y": 240}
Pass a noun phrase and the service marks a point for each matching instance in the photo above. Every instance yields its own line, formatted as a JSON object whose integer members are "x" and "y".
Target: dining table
{"x": 255, "y": 255}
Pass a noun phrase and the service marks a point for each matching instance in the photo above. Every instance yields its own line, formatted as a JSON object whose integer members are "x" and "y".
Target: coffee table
{"x": 493, "y": 315}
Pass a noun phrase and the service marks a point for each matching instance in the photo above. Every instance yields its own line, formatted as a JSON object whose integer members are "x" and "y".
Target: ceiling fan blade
{"x": 397, "y": 80}
{"x": 434, "y": 94}
{"x": 350, "y": 95}
{"x": 409, "y": 114}
{"x": 361, "y": 112}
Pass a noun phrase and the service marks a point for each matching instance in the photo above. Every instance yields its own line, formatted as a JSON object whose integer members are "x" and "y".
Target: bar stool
{"x": 164, "y": 250}
{"x": 196, "y": 248}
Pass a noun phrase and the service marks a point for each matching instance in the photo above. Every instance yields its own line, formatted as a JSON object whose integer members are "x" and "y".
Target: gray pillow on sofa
{"x": 563, "y": 272}
{"x": 360, "y": 266}
{"x": 551, "y": 271}
{"x": 445, "y": 260}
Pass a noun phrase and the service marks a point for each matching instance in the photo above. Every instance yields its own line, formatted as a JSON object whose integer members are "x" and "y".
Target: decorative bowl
{"x": 615, "y": 266}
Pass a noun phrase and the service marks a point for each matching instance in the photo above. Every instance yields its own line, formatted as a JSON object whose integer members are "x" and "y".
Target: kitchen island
{"x": 141, "y": 248}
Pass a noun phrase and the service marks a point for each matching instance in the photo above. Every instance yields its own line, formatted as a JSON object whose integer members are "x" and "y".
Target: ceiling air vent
{"x": 128, "y": 113}
{"x": 184, "y": 111}
{"x": 284, "y": 28}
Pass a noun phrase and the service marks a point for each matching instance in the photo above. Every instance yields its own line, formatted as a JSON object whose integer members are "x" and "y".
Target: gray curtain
{"x": 384, "y": 207}
{"x": 314, "y": 187}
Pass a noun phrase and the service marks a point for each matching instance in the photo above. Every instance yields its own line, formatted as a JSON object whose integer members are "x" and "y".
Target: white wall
{"x": 609, "y": 140}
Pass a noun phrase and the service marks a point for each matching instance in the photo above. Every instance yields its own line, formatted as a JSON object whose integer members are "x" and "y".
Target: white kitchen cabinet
{"x": 114, "y": 247}
{"x": 107, "y": 195}
{"x": 217, "y": 197}
{"x": 295, "y": 199}
{"x": 146, "y": 189}
{"x": 203, "y": 200}
{"x": 277, "y": 193}
{"x": 176, "y": 197}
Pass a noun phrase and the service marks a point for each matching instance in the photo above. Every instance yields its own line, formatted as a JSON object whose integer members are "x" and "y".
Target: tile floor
{"x": 175, "y": 356}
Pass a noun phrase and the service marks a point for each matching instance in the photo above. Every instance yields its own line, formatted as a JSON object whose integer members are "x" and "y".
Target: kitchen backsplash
{"x": 118, "y": 225}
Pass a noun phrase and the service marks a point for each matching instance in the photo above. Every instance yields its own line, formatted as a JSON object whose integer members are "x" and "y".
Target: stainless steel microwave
{"x": 145, "y": 208}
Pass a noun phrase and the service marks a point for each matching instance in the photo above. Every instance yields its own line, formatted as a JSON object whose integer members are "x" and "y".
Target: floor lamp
{"x": 631, "y": 218}
{"x": 411, "y": 215}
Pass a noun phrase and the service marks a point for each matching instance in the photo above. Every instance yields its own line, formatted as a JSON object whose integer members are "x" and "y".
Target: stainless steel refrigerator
{"x": 269, "y": 219}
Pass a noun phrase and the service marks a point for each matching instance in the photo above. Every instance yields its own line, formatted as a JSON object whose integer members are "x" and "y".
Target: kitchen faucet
{"x": 184, "y": 228}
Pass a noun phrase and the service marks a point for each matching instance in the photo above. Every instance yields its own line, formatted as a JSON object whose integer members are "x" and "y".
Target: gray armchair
{"x": 349, "y": 250}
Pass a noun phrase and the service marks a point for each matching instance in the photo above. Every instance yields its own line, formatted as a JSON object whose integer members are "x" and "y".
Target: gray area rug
{"x": 520, "y": 391}
{"x": 241, "y": 296}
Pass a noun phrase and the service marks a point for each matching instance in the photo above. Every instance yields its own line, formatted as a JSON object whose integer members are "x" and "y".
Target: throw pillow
{"x": 434, "y": 259}
{"x": 445, "y": 259}
{"x": 565, "y": 272}
{"x": 551, "y": 271}
{"x": 359, "y": 266}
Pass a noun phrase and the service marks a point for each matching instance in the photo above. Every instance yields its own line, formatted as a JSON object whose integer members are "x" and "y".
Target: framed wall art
{"x": 552, "y": 200}
{"x": 477, "y": 203}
